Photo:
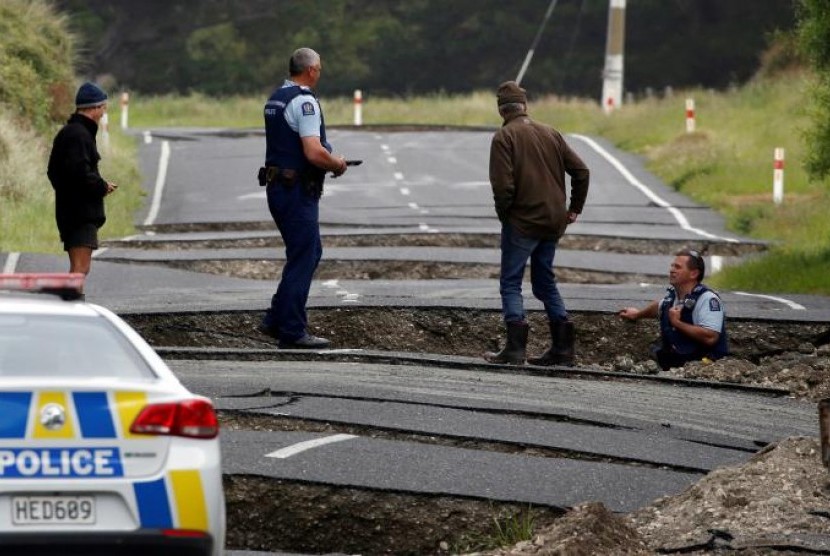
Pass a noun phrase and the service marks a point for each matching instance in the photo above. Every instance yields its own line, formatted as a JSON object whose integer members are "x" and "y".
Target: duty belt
{"x": 272, "y": 174}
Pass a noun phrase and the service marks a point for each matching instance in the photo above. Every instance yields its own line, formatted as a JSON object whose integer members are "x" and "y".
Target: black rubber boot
{"x": 561, "y": 352}
{"x": 515, "y": 351}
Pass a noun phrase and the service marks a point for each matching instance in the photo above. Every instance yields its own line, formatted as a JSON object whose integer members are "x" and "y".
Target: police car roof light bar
{"x": 67, "y": 286}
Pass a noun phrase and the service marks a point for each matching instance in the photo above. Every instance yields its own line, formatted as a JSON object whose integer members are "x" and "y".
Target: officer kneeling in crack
{"x": 692, "y": 317}
{"x": 296, "y": 160}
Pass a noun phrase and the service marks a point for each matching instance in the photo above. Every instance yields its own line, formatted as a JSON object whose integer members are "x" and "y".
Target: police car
{"x": 102, "y": 449}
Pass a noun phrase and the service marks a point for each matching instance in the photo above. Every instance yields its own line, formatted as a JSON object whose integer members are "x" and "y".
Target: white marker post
{"x": 125, "y": 103}
{"x": 358, "y": 107}
{"x": 778, "y": 177}
{"x": 105, "y": 131}
{"x": 690, "y": 115}
{"x": 612, "y": 74}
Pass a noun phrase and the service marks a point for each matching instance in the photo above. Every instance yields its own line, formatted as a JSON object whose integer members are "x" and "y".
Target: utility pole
{"x": 535, "y": 43}
{"x": 612, "y": 76}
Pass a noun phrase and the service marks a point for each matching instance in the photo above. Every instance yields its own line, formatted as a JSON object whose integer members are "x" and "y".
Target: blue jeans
{"x": 296, "y": 214}
{"x": 516, "y": 249}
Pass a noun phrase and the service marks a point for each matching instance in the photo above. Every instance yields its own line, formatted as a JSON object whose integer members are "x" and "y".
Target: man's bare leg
{"x": 80, "y": 260}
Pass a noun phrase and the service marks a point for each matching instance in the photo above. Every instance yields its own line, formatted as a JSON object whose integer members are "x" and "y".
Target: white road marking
{"x": 392, "y": 160}
{"x": 656, "y": 199}
{"x": 384, "y": 148}
{"x": 11, "y": 263}
{"x": 100, "y": 251}
{"x": 404, "y": 191}
{"x": 148, "y": 138}
{"x": 413, "y": 206}
{"x": 398, "y": 176}
{"x": 347, "y": 296}
{"x": 161, "y": 178}
{"x": 299, "y": 447}
{"x": 259, "y": 195}
{"x": 787, "y": 302}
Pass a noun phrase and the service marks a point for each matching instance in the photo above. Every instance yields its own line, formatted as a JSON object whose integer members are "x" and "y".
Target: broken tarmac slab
{"x": 406, "y": 467}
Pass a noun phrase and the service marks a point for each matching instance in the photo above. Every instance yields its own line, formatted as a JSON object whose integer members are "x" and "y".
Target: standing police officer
{"x": 297, "y": 158}
{"x": 692, "y": 321}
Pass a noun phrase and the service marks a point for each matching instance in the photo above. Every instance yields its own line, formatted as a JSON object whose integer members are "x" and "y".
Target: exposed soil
{"x": 309, "y": 518}
{"x": 571, "y": 242}
{"x": 387, "y": 270}
{"x": 795, "y": 356}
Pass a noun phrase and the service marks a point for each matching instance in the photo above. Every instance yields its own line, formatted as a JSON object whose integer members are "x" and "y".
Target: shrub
{"x": 36, "y": 63}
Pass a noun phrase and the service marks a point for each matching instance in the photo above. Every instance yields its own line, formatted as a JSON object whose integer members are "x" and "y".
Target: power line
{"x": 535, "y": 41}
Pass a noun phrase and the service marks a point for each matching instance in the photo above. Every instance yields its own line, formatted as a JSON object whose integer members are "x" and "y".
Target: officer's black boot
{"x": 516, "y": 349}
{"x": 561, "y": 352}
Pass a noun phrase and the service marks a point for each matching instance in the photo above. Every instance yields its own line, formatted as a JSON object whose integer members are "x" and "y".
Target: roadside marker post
{"x": 358, "y": 107}
{"x": 778, "y": 177}
{"x": 690, "y": 115}
{"x": 105, "y": 131}
{"x": 125, "y": 104}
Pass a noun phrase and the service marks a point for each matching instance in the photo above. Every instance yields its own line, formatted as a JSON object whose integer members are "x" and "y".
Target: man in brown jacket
{"x": 528, "y": 163}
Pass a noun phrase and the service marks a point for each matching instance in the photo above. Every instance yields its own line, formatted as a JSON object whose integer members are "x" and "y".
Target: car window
{"x": 62, "y": 346}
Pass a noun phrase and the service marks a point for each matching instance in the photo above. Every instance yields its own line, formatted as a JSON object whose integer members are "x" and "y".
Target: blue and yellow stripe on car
{"x": 176, "y": 501}
{"x": 99, "y": 414}
{"x": 14, "y": 414}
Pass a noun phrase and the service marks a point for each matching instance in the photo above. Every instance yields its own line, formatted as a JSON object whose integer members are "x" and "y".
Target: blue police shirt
{"x": 303, "y": 113}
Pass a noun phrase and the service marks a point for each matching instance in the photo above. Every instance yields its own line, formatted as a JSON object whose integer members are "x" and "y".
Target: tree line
{"x": 403, "y": 47}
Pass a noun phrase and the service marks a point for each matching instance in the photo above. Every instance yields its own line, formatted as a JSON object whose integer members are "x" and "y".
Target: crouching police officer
{"x": 297, "y": 158}
{"x": 692, "y": 319}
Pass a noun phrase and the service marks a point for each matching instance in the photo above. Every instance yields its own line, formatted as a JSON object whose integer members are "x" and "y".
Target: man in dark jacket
{"x": 79, "y": 188}
{"x": 528, "y": 163}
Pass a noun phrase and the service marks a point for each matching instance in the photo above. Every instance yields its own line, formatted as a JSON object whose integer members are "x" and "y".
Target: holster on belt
{"x": 312, "y": 179}
{"x": 272, "y": 174}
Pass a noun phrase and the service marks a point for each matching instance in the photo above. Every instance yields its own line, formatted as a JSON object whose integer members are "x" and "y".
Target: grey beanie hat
{"x": 89, "y": 95}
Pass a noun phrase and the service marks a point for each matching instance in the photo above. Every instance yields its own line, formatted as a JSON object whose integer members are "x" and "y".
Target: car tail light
{"x": 190, "y": 418}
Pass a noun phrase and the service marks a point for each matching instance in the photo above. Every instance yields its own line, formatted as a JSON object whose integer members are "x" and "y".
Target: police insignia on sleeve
{"x": 714, "y": 304}
{"x": 308, "y": 109}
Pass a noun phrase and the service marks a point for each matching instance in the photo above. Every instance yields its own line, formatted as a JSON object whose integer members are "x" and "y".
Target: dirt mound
{"x": 779, "y": 498}
{"x": 776, "y": 503}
